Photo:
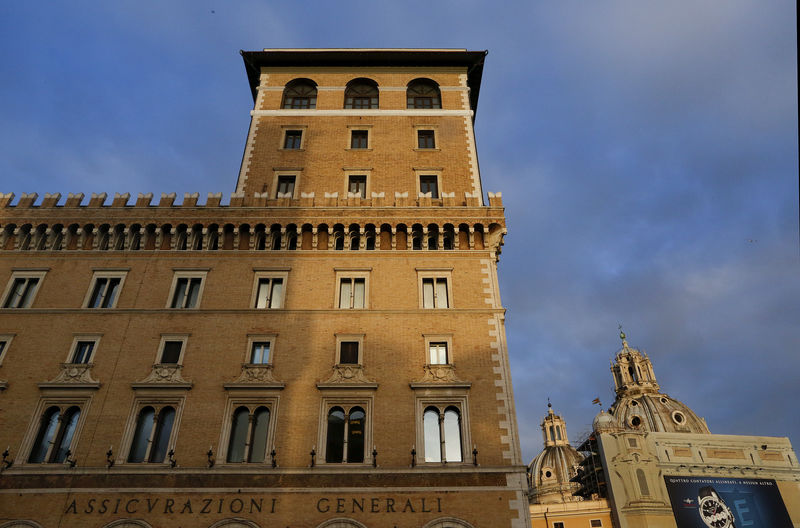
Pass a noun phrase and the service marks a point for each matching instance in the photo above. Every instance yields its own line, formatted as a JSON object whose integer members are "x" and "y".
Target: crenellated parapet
{"x": 306, "y": 223}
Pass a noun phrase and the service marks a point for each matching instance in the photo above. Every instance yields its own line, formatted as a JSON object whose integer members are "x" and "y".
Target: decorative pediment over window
{"x": 255, "y": 376}
{"x": 347, "y": 376}
{"x": 77, "y": 375}
{"x": 443, "y": 376}
{"x": 164, "y": 375}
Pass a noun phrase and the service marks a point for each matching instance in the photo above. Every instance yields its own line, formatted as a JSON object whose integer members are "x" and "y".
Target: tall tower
{"x": 328, "y": 350}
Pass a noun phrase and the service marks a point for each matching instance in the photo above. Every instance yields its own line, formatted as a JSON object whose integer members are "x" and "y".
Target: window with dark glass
{"x": 434, "y": 293}
{"x": 293, "y": 139}
{"x": 269, "y": 293}
{"x": 348, "y": 353}
{"x": 54, "y": 436}
{"x": 359, "y": 139}
{"x": 248, "y": 437}
{"x": 300, "y": 94}
{"x": 423, "y": 93}
{"x": 426, "y": 139}
{"x": 361, "y": 94}
{"x": 352, "y": 291}
{"x": 152, "y": 434}
{"x": 22, "y": 292}
{"x": 286, "y": 185}
{"x": 83, "y": 352}
{"x": 345, "y": 435}
{"x": 259, "y": 352}
{"x": 171, "y": 352}
{"x": 442, "y": 431}
{"x": 187, "y": 291}
{"x": 429, "y": 184}
{"x": 104, "y": 293}
{"x": 357, "y": 184}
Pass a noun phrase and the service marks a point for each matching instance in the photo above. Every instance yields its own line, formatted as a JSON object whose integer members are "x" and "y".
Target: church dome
{"x": 640, "y": 405}
{"x": 550, "y": 472}
{"x": 604, "y": 422}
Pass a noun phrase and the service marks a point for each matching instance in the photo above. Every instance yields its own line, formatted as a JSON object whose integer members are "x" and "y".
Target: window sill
{"x": 291, "y": 150}
{"x": 427, "y": 149}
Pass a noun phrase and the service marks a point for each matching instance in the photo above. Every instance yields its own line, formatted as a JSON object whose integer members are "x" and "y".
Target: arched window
{"x": 433, "y": 240}
{"x": 416, "y": 240}
{"x": 442, "y": 431}
{"x": 248, "y": 442}
{"x": 361, "y": 93}
{"x": 300, "y": 94}
{"x": 423, "y": 93}
{"x": 55, "y": 435}
{"x": 369, "y": 241}
{"x": 152, "y": 434}
{"x": 275, "y": 236}
{"x": 355, "y": 241}
{"x": 338, "y": 240}
{"x": 345, "y": 435}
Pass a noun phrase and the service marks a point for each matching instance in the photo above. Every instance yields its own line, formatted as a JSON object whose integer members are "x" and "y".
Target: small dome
{"x": 603, "y": 422}
{"x": 550, "y": 472}
{"x": 656, "y": 412}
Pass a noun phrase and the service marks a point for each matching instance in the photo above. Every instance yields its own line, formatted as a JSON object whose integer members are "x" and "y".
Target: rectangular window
{"x": 558, "y": 524}
{"x": 259, "y": 352}
{"x": 348, "y": 353}
{"x": 105, "y": 289}
{"x": 171, "y": 352}
{"x": 359, "y": 139}
{"x": 596, "y": 523}
{"x": 22, "y": 288}
{"x": 5, "y": 342}
{"x": 435, "y": 293}
{"x": 293, "y": 139}
{"x": 269, "y": 293}
{"x": 186, "y": 292}
{"x": 429, "y": 184}
{"x": 357, "y": 184}
{"x": 426, "y": 139}
{"x": 286, "y": 185}
{"x": 437, "y": 353}
{"x": 352, "y": 292}
{"x": 83, "y": 352}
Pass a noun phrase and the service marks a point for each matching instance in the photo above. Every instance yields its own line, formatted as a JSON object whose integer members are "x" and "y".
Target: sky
{"x": 647, "y": 153}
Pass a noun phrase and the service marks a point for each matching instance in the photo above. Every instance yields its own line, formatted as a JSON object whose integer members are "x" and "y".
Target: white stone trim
{"x": 473, "y": 152}
{"x": 251, "y": 136}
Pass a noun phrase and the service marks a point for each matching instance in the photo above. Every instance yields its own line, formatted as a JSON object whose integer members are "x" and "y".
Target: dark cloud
{"x": 647, "y": 153}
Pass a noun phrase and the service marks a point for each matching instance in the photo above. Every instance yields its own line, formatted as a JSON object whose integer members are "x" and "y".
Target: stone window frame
{"x": 438, "y": 338}
{"x": 23, "y": 274}
{"x": 599, "y": 523}
{"x": 303, "y": 129}
{"x": 277, "y": 173}
{"x": 259, "y": 274}
{"x": 364, "y": 128}
{"x": 366, "y": 402}
{"x": 366, "y": 172}
{"x": 252, "y": 402}
{"x": 351, "y": 273}
{"x": 82, "y": 401}
{"x": 183, "y": 338}
{"x": 349, "y": 337}
{"x": 260, "y": 338}
{"x": 437, "y": 172}
{"x": 77, "y": 338}
{"x": 435, "y": 273}
{"x": 6, "y": 339}
{"x": 158, "y": 402}
{"x": 120, "y": 274}
{"x": 183, "y": 273}
{"x": 426, "y": 128}
{"x": 449, "y": 398}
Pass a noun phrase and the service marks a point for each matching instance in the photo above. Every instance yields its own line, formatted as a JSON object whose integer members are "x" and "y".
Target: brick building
{"x": 326, "y": 350}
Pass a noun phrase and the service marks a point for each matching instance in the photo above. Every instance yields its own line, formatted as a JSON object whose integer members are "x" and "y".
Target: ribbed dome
{"x": 550, "y": 472}
{"x": 657, "y": 413}
{"x": 603, "y": 422}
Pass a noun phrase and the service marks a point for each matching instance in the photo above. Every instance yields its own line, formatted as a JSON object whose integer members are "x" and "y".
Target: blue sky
{"x": 647, "y": 153}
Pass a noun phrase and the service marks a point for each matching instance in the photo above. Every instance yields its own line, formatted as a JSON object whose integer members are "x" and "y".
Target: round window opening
{"x": 634, "y": 403}
{"x": 548, "y": 474}
{"x": 663, "y": 400}
{"x": 636, "y": 421}
{"x": 678, "y": 417}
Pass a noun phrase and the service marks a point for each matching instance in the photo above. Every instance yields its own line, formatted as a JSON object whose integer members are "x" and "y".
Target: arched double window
{"x": 55, "y": 435}
{"x": 345, "y": 436}
{"x": 152, "y": 434}
{"x": 249, "y": 431}
{"x": 300, "y": 94}
{"x": 442, "y": 429}
{"x": 361, "y": 93}
{"x": 423, "y": 93}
